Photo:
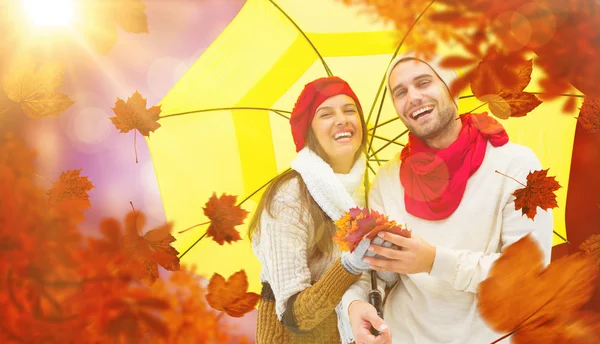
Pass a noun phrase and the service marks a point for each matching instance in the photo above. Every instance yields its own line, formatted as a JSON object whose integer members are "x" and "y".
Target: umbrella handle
{"x": 375, "y": 300}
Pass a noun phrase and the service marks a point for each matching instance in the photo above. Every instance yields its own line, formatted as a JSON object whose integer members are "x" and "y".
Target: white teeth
{"x": 340, "y": 135}
{"x": 420, "y": 111}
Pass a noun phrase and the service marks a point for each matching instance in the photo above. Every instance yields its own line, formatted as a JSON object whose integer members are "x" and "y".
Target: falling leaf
{"x": 224, "y": 215}
{"x": 34, "y": 89}
{"x": 100, "y": 18}
{"x": 134, "y": 314}
{"x": 511, "y": 104}
{"x": 539, "y": 192}
{"x": 521, "y": 295}
{"x": 134, "y": 115}
{"x": 500, "y": 80}
{"x": 151, "y": 249}
{"x": 589, "y": 115}
{"x": 591, "y": 246}
{"x": 358, "y": 224}
{"x": 231, "y": 296}
{"x": 71, "y": 186}
{"x": 457, "y": 61}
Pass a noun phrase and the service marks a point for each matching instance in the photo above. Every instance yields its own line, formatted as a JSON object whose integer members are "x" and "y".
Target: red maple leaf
{"x": 589, "y": 115}
{"x": 148, "y": 251}
{"x": 537, "y": 304}
{"x": 224, "y": 216}
{"x": 539, "y": 192}
{"x": 231, "y": 296}
{"x": 499, "y": 80}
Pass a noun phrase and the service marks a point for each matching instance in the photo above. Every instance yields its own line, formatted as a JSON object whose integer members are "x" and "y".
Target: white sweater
{"x": 441, "y": 307}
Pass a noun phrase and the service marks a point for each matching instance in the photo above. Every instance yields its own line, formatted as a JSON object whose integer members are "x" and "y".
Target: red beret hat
{"x": 312, "y": 96}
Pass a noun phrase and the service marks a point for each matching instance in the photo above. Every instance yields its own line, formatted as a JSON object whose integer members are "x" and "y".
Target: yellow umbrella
{"x": 225, "y": 128}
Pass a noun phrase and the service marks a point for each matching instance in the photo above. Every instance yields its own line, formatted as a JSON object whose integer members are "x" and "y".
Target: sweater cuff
{"x": 445, "y": 264}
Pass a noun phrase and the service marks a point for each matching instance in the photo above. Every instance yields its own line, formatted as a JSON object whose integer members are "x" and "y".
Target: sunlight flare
{"x": 49, "y": 12}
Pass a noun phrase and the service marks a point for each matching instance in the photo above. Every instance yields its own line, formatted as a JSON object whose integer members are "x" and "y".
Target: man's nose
{"x": 414, "y": 95}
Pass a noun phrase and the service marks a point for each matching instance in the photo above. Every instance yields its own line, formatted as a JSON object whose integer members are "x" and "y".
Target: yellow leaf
{"x": 35, "y": 88}
{"x": 99, "y": 20}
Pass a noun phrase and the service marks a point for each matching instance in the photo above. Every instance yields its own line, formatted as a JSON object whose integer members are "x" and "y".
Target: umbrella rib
{"x": 240, "y": 203}
{"x": 388, "y": 140}
{"x": 277, "y": 111}
{"x": 384, "y": 123}
{"x": 389, "y": 143}
{"x": 260, "y": 188}
{"x": 329, "y": 73}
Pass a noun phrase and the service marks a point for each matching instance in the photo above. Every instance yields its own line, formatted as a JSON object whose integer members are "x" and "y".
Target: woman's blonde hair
{"x": 323, "y": 227}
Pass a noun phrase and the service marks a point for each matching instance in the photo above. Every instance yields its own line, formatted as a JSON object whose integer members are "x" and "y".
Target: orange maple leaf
{"x": 224, "y": 216}
{"x": 523, "y": 298}
{"x": 499, "y": 80}
{"x": 591, "y": 246}
{"x": 539, "y": 192}
{"x": 231, "y": 296}
{"x": 134, "y": 115}
{"x": 149, "y": 250}
{"x": 589, "y": 115}
{"x": 71, "y": 186}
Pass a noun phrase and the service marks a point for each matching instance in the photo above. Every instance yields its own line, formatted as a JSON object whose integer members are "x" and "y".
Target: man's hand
{"x": 413, "y": 256}
{"x": 362, "y": 316}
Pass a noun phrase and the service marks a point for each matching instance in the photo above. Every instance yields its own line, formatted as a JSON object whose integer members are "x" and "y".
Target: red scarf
{"x": 434, "y": 180}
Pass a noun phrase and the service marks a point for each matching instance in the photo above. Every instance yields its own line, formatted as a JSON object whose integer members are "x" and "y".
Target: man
{"x": 445, "y": 188}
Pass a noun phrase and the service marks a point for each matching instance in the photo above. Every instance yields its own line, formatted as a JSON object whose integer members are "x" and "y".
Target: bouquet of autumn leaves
{"x": 358, "y": 224}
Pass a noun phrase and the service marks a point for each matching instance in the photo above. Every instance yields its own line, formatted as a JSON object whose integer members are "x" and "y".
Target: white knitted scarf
{"x": 335, "y": 193}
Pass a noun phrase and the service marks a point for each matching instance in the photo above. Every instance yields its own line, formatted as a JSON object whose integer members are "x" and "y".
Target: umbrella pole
{"x": 375, "y": 299}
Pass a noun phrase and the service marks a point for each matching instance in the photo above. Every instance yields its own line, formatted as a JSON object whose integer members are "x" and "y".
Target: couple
{"x": 443, "y": 186}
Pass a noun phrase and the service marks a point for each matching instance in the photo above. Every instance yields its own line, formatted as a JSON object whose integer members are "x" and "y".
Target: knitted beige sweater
{"x": 317, "y": 285}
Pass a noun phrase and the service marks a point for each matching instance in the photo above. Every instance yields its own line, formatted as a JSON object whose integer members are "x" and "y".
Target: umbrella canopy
{"x": 225, "y": 125}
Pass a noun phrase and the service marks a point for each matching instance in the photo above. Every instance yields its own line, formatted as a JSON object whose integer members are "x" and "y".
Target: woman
{"x": 304, "y": 275}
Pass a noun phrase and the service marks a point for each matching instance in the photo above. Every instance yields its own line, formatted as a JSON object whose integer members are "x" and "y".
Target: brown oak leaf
{"x": 231, "y": 296}
{"x": 589, "y": 115}
{"x": 499, "y": 80}
{"x": 71, "y": 186}
{"x": 134, "y": 115}
{"x": 148, "y": 251}
{"x": 539, "y": 192}
{"x": 33, "y": 88}
{"x": 539, "y": 304}
{"x": 224, "y": 216}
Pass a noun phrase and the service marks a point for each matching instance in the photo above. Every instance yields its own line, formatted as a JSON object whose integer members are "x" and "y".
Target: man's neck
{"x": 446, "y": 137}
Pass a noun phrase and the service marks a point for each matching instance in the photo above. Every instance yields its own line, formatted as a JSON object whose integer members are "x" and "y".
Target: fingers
{"x": 395, "y": 265}
{"x": 389, "y": 253}
{"x": 396, "y": 239}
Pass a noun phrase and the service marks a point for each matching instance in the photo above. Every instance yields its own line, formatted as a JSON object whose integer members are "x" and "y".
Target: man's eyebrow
{"x": 418, "y": 77}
